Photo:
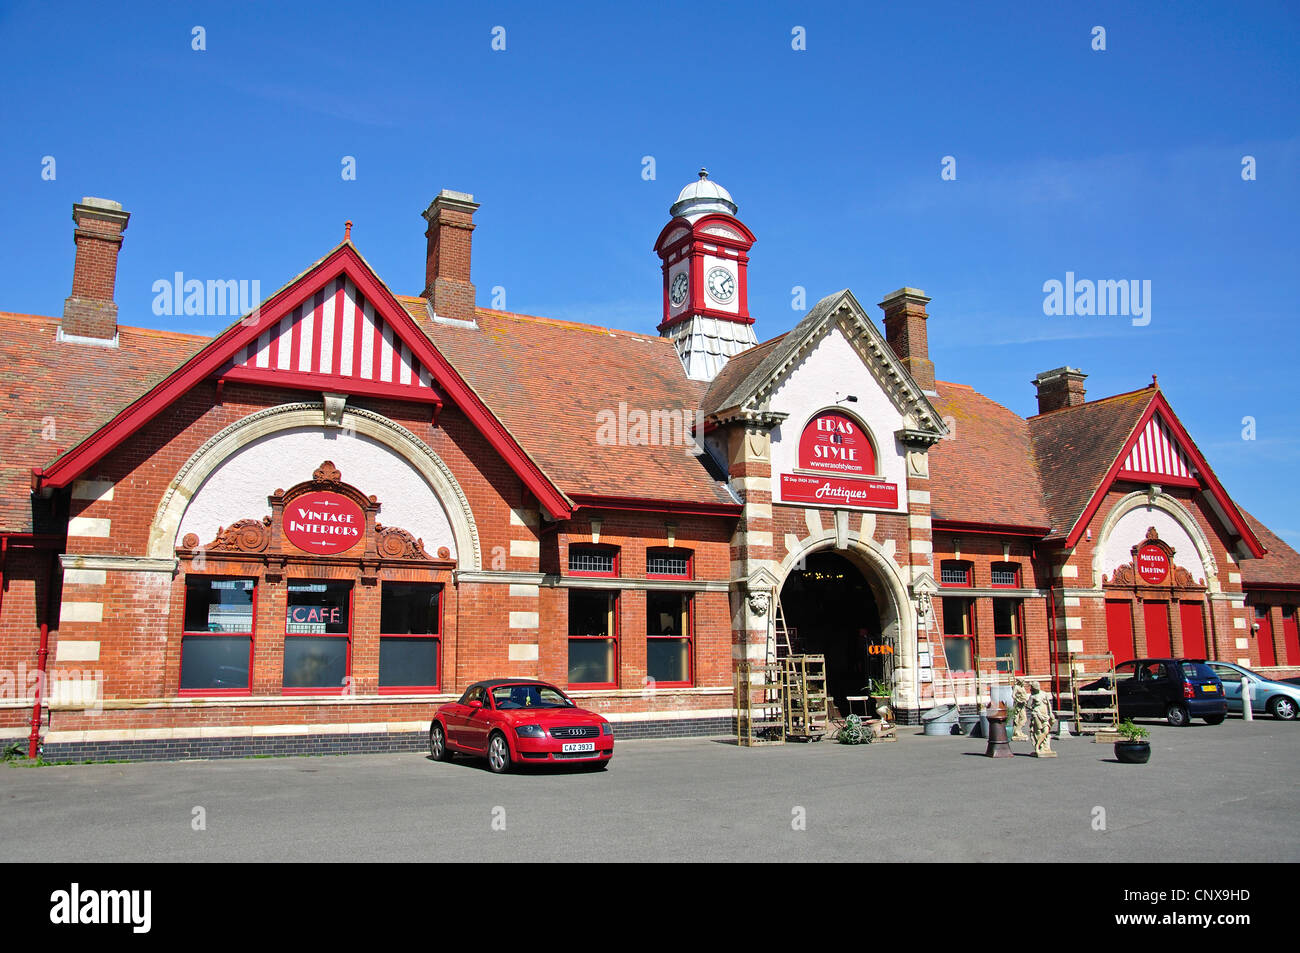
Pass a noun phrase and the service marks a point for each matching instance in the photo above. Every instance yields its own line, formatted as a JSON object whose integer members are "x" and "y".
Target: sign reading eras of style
{"x": 324, "y": 523}
{"x": 835, "y": 442}
{"x": 1152, "y": 564}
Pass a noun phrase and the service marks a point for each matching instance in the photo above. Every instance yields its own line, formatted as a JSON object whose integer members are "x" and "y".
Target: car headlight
{"x": 530, "y": 731}
{"x": 606, "y": 728}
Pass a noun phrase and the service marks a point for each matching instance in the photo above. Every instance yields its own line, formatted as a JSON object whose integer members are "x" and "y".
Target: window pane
{"x": 1008, "y": 646}
{"x": 1006, "y": 574}
{"x": 408, "y": 662}
{"x": 667, "y": 613}
{"x": 956, "y": 616}
{"x": 318, "y": 608}
{"x": 315, "y": 663}
{"x": 954, "y": 574}
{"x": 591, "y": 660}
{"x": 667, "y": 564}
{"x": 1006, "y": 617}
{"x": 216, "y": 661}
{"x": 591, "y": 613}
{"x": 960, "y": 654}
{"x": 409, "y": 608}
{"x": 218, "y": 605}
{"x": 591, "y": 560}
{"x": 667, "y": 660}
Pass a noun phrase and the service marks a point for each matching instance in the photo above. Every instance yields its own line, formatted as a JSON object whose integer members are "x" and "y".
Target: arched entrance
{"x": 831, "y": 610}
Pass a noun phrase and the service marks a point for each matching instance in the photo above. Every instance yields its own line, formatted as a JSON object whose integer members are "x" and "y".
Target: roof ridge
{"x": 563, "y": 323}
{"x": 1099, "y": 400}
{"x": 158, "y": 332}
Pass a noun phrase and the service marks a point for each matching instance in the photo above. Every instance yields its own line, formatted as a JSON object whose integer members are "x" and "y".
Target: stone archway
{"x": 221, "y": 446}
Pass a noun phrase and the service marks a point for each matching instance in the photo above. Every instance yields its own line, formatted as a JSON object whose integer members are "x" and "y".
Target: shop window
{"x": 1006, "y": 575}
{"x": 954, "y": 573}
{"x": 668, "y": 563}
{"x": 593, "y": 638}
{"x": 593, "y": 561}
{"x": 1008, "y": 631}
{"x": 959, "y": 634}
{"x": 217, "y": 641}
{"x": 409, "y": 646}
{"x": 669, "y": 629}
{"x": 317, "y": 637}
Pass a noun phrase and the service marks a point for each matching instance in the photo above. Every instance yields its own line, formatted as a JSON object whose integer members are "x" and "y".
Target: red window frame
{"x": 437, "y": 639}
{"x": 969, "y": 635}
{"x": 1018, "y": 635}
{"x": 185, "y": 634}
{"x": 592, "y": 548}
{"x": 345, "y": 688}
{"x": 614, "y": 636}
{"x": 1005, "y": 567}
{"x": 688, "y": 635}
{"x": 955, "y": 564}
{"x": 663, "y": 551}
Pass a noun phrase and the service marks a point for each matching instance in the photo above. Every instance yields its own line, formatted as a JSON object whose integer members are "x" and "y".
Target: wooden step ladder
{"x": 807, "y": 709}
{"x": 1102, "y": 720}
{"x": 760, "y": 704}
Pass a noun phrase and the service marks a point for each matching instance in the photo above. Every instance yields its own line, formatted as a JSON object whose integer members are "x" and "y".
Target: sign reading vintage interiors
{"x": 831, "y": 491}
{"x": 835, "y": 442}
{"x": 323, "y": 523}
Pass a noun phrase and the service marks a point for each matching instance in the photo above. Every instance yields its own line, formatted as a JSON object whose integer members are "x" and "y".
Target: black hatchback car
{"x": 1175, "y": 689}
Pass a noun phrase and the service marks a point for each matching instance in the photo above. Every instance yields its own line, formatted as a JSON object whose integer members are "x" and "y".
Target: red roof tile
{"x": 1280, "y": 565}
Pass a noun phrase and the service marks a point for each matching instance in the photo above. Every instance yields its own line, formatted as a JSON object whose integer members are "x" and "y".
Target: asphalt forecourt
{"x": 1208, "y": 794}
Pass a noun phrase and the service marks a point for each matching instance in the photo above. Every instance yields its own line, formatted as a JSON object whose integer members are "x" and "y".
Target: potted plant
{"x": 880, "y": 693}
{"x": 1132, "y": 747}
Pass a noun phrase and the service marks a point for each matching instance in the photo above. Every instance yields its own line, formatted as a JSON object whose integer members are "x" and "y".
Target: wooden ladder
{"x": 760, "y": 705}
{"x": 1103, "y": 720}
{"x": 807, "y": 709}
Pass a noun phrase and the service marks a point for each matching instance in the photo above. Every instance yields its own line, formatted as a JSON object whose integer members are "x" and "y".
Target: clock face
{"x": 721, "y": 284}
{"x": 677, "y": 290}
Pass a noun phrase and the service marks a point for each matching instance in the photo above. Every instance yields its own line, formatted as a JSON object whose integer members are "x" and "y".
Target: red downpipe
{"x": 42, "y": 655}
{"x": 34, "y": 739}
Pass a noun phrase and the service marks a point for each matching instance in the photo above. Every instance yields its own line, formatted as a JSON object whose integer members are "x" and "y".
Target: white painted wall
{"x": 1131, "y": 529}
{"x": 830, "y": 370}
{"x": 239, "y": 487}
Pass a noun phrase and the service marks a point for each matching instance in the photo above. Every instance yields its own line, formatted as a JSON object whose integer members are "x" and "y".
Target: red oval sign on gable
{"x": 836, "y": 443}
{"x": 324, "y": 524}
{"x": 1152, "y": 564}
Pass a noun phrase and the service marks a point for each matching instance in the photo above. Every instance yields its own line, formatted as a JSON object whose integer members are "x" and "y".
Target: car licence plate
{"x": 578, "y": 746}
{"x": 1209, "y": 688}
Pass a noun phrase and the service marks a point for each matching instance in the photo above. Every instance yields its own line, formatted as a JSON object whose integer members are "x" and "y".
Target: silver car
{"x": 1279, "y": 699}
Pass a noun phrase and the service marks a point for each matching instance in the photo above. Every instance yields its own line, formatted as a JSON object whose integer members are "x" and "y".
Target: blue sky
{"x": 1123, "y": 163}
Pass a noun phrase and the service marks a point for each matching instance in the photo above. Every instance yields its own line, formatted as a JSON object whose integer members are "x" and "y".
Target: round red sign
{"x": 324, "y": 524}
{"x": 836, "y": 442}
{"x": 1152, "y": 564}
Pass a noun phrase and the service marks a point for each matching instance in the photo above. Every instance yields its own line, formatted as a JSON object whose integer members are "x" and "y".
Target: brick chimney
{"x": 1060, "y": 387}
{"x": 90, "y": 312}
{"x": 905, "y": 319}
{"x": 446, "y": 270}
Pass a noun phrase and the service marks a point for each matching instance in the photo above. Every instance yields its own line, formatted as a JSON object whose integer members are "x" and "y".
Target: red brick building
{"x": 304, "y": 533}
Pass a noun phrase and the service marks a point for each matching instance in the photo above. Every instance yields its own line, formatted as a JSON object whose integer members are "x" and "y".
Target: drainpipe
{"x": 34, "y": 739}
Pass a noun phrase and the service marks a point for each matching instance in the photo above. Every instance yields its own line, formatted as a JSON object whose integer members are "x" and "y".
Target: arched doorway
{"x": 831, "y": 610}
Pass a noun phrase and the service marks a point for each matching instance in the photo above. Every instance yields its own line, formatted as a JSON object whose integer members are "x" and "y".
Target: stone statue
{"x": 1020, "y": 703}
{"x": 1040, "y": 721}
{"x": 758, "y": 602}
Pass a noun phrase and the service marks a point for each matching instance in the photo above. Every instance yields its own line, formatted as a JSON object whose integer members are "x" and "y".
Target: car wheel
{"x": 1177, "y": 716}
{"x": 438, "y": 743}
{"x": 1282, "y": 708}
{"x": 1214, "y": 719}
{"x": 498, "y": 753}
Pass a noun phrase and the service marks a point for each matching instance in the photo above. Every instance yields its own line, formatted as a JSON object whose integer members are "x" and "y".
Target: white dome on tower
{"x": 702, "y": 197}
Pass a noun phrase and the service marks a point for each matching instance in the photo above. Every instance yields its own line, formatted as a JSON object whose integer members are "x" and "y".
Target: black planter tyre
{"x": 1282, "y": 708}
{"x": 1133, "y": 752}
{"x": 498, "y": 753}
{"x": 1177, "y": 716}
{"x": 1214, "y": 719}
{"x": 438, "y": 743}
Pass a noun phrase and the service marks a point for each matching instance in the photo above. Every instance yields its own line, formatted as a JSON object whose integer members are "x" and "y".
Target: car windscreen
{"x": 1198, "y": 670}
{"x": 510, "y": 697}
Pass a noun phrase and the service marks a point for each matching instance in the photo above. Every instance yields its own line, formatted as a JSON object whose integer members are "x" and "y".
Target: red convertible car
{"x": 520, "y": 721}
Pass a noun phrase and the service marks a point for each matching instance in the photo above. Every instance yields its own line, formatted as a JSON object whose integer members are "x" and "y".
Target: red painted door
{"x": 1267, "y": 655}
{"x": 1291, "y": 636}
{"x": 1119, "y": 629}
{"x": 1192, "y": 617}
{"x": 1156, "y": 617}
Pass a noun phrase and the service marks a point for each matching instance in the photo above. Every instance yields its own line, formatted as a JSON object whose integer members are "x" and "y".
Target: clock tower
{"x": 705, "y": 252}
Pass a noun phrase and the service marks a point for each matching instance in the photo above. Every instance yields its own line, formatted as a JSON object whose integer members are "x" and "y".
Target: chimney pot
{"x": 905, "y": 332}
{"x": 89, "y": 312}
{"x": 447, "y": 282}
{"x": 1060, "y": 387}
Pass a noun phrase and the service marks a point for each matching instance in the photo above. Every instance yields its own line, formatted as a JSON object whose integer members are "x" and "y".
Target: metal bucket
{"x": 939, "y": 721}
